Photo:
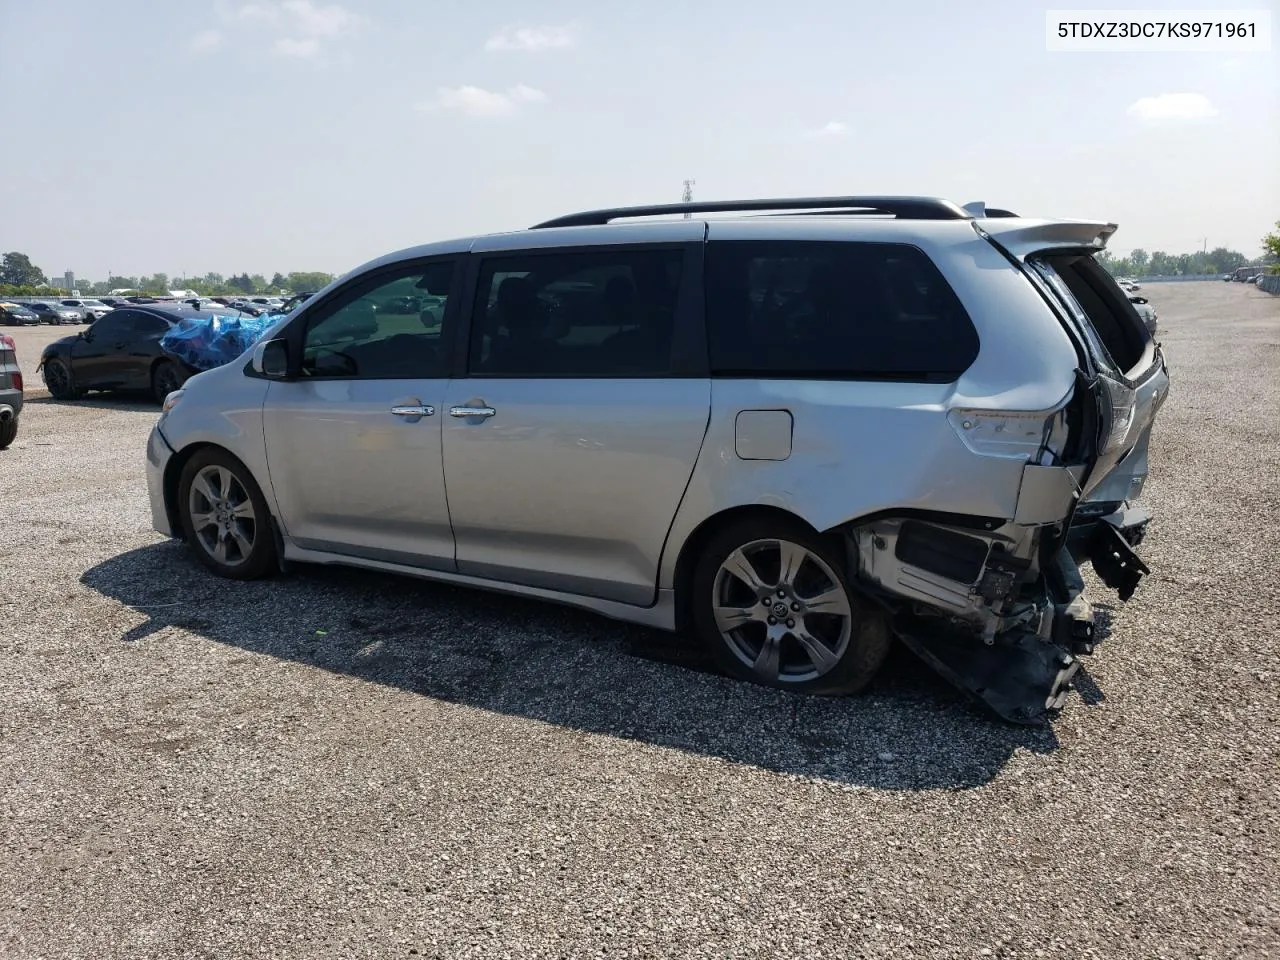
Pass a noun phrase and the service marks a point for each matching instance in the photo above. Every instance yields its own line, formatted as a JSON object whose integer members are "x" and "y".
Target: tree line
{"x": 1139, "y": 263}
{"x": 19, "y": 277}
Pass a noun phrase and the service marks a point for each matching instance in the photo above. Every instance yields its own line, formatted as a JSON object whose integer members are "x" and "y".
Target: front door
{"x": 570, "y": 438}
{"x": 95, "y": 356}
{"x": 353, "y": 444}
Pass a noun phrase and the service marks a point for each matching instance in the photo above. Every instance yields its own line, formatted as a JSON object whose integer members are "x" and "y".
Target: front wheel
{"x": 165, "y": 379}
{"x": 772, "y": 601}
{"x": 57, "y": 377}
{"x": 225, "y": 517}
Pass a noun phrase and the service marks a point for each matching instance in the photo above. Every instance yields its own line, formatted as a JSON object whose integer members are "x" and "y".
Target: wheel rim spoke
{"x": 243, "y": 510}
{"x": 739, "y": 565}
{"x": 831, "y": 601}
{"x": 730, "y": 618}
{"x": 791, "y": 558}
{"x": 224, "y": 484}
{"x": 202, "y": 521}
{"x": 244, "y": 542}
{"x": 205, "y": 489}
{"x": 820, "y": 655}
{"x": 220, "y": 551}
{"x": 768, "y": 663}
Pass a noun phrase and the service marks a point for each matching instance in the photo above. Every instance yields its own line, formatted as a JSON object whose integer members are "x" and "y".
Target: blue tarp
{"x": 207, "y": 342}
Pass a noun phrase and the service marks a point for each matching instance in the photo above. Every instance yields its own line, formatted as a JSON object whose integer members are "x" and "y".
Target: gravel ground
{"x": 335, "y": 764}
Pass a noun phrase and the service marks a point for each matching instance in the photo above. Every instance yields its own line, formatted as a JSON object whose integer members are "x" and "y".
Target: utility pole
{"x": 687, "y": 195}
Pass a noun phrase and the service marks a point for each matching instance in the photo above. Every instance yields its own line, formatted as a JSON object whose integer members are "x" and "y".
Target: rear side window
{"x": 1095, "y": 299}
{"x": 834, "y": 310}
{"x": 604, "y": 313}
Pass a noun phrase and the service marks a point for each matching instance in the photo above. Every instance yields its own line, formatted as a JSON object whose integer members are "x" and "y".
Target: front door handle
{"x": 413, "y": 411}
{"x": 472, "y": 411}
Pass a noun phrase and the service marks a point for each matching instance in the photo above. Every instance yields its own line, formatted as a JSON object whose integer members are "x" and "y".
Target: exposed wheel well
{"x": 694, "y": 544}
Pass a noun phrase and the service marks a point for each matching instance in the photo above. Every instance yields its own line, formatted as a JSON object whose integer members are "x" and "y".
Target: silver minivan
{"x": 792, "y": 429}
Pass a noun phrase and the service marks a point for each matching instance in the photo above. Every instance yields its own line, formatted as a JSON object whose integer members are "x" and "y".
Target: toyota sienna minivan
{"x": 792, "y": 429}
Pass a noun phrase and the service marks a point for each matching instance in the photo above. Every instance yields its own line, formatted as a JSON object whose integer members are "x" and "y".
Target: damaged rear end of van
{"x": 994, "y": 599}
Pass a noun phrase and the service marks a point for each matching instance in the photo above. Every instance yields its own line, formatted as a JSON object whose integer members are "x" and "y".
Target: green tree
{"x": 278, "y": 282}
{"x": 17, "y": 268}
{"x": 241, "y": 283}
{"x": 1138, "y": 260}
{"x": 1222, "y": 260}
{"x": 157, "y": 283}
{"x": 122, "y": 283}
{"x": 304, "y": 282}
{"x": 259, "y": 283}
{"x": 1271, "y": 248}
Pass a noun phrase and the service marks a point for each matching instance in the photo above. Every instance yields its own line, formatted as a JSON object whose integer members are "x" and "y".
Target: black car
{"x": 121, "y": 351}
{"x": 17, "y": 315}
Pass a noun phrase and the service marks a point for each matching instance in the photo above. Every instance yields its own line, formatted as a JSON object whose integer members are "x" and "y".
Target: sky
{"x": 282, "y": 135}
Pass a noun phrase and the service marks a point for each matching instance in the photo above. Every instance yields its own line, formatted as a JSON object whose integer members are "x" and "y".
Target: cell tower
{"x": 687, "y": 196}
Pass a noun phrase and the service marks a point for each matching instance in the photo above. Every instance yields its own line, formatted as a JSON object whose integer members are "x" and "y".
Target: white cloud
{"x": 289, "y": 47}
{"x": 834, "y": 128}
{"x": 478, "y": 102}
{"x": 318, "y": 21}
{"x": 1173, "y": 106}
{"x": 534, "y": 38}
{"x": 301, "y": 27}
{"x": 206, "y": 40}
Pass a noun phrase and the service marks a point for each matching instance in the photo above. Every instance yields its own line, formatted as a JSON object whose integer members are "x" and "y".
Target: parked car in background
{"x": 90, "y": 310}
{"x": 1145, "y": 310}
{"x": 55, "y": 313}
{"x": 676, "y": 423}
{"x": 18, "y": 315}
{"x": 10, "y": 390}
{"x": 119, "y": 352}
{"x": 295, "y": 301}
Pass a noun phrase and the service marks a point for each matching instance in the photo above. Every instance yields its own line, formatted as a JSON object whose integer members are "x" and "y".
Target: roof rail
{"x": 904, "y": 208}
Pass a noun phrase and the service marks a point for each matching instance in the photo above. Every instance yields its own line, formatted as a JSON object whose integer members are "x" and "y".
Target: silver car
{"x": 794, "y": 430}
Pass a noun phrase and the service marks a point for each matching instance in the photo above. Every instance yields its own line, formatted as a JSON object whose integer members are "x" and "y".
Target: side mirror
{"x": 271, "y": 359}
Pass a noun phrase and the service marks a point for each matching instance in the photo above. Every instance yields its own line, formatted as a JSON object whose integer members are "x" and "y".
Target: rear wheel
{"x": 225, "y": 517}
{"x": 772, "y": 602}
{"x": 165, "y": 379}
{"x": 8, "y": 431}
{"x": 57, "y": 377}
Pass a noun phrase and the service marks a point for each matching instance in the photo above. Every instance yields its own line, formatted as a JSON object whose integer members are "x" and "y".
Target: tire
{"x": 827, "y": 652}
{"x": 165, "y": 378}
{"x": 235, "y": 541}
{"x": 7, "y": 432}
{"x": 57, "y": 377}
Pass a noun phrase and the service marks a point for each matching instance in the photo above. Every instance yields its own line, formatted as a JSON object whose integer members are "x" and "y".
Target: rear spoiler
{"x": 1024, "y": 237}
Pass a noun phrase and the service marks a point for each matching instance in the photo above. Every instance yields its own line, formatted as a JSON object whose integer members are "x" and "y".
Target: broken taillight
{"x": 1118, "y": 406}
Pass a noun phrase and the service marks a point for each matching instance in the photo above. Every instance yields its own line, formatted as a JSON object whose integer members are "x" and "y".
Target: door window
{"x": 147, "y": 325}
{"x": 114, "y": 326}
{"x": 608, "y": 313}
{"x": 387, "y": 327}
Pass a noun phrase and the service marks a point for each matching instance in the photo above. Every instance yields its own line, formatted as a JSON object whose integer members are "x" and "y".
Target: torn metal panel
{"x": 1047, "y": 493}
{"x": 1020, "y": 677}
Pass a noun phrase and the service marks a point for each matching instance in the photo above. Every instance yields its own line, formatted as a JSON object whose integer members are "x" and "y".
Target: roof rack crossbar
{"x": 905, "y": 208}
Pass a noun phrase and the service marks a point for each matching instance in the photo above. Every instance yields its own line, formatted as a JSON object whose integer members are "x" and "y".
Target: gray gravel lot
{"x": 335, "y": 764}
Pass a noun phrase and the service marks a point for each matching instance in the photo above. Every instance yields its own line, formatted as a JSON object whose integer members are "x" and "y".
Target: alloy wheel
{"x": 782, "y": 610}
{"x": 222, "y": 515}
